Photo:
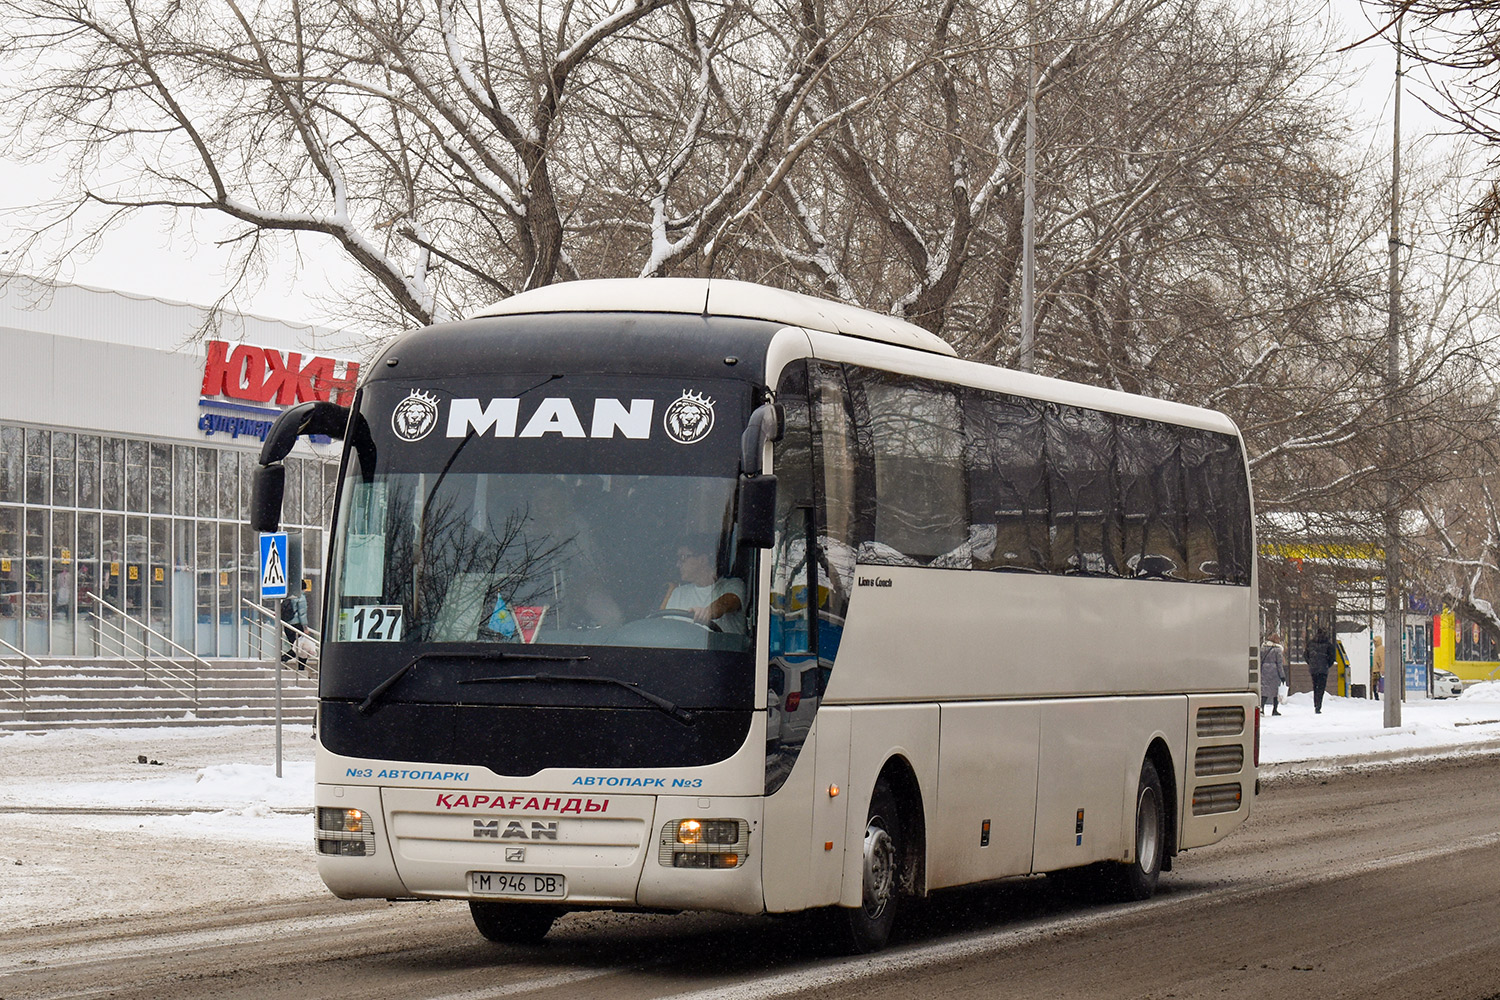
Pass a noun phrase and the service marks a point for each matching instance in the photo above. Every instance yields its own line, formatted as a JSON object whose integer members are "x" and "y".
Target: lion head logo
{"x": 415, "y": 416}
{"x": 689, "y": 417}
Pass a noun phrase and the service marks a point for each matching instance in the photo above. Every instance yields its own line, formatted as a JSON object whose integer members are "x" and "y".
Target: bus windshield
{"x": 539, "y": 558}
{"x": 543, "y": 510}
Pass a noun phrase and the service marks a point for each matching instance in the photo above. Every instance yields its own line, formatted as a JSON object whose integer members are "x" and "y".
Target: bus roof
{"x": 719, "y": 297}
{"x": 746, "y": 300}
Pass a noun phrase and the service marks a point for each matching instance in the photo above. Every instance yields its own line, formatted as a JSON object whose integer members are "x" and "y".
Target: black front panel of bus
{"x": 520, "y": 741}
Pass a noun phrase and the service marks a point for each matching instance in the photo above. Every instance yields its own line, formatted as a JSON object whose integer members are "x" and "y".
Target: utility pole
{"x": 1028, "y": 204}
{"x": 1395, "y": 660}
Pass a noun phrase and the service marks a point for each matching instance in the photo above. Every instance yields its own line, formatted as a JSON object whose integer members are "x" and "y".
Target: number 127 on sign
{"x": 371, "y": 623}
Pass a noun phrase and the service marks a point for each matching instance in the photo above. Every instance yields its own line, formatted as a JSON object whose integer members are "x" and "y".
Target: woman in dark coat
{"x": 1319, "y": 654}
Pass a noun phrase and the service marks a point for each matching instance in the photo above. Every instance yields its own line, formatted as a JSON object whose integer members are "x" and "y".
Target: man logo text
{"x": 516, "y": 830}
{"x": 554, "y": 415}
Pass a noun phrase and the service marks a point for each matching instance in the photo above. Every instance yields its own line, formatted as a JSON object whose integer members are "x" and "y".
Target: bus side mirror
{"x": 757, "y": 506}
{"x": 269, "y": 484}
{"x": 266, "y": 490}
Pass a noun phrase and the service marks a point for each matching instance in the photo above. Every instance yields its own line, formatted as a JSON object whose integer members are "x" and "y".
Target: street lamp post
{"x": 1395, "y": 660}
{"x": 1027, "y": 360}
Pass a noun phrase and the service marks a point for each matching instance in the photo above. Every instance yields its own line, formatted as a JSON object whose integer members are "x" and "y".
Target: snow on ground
{"x": 1355, "y": 727}
{"x": 87, "y": 832}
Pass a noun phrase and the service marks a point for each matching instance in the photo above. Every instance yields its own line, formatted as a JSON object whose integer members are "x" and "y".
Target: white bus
{"x": 673, "y": 594}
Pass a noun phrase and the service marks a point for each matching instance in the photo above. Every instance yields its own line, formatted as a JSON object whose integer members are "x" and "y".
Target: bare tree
{"x": 456, "y": 151}
{"x": 1458, "y": 39}
{"x": 1203, "y": 232}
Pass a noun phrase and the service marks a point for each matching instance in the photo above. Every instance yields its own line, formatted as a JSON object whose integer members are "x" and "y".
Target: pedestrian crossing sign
{"x": 273, "y": 573}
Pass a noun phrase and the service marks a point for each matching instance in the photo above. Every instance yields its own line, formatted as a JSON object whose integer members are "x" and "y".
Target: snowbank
{"x": 1356, "y": 727}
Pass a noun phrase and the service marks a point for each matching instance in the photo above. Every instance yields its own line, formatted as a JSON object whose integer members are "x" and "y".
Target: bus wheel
{"x": 513, "y": 923}
{"x": 1137, "y": 880}
{"x": 868, "y": 926}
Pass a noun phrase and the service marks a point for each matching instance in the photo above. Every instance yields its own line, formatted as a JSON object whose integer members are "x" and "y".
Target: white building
{"x": 127, "y": 442}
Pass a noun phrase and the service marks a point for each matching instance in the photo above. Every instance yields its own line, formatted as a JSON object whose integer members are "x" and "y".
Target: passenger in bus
{"x": 1272, "y": 672}
{"x": 1319, "y": 655}
{"x": 712, "y": 599}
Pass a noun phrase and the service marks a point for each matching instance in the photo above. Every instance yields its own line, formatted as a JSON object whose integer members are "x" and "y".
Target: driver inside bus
{"x": 710, "y": 599}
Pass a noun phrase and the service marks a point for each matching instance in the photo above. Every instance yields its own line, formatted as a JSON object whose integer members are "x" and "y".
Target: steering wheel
{"x": 685, "y": 615}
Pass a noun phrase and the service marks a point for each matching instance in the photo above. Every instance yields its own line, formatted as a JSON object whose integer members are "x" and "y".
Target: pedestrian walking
{"x": 293, "y": 614}
{"x": 1320, "y": 655}
{"x": 1272, "y": 672}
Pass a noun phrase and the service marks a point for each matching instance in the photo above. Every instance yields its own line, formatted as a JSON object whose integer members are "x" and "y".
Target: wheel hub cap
{"x": 1147, "y": 830}
{"x": 880, "y": 870}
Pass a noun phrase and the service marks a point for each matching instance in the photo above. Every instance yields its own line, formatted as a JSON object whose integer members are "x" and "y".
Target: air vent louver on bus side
{"x": 1219, "y": 760}
{"x": 1226, "y": 720}
{"x": 1212, "y": 799}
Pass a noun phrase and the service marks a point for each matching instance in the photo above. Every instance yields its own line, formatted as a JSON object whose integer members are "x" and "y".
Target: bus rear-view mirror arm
{"x": 269, "y": 484}
{"x": 757, "y": 492}
{"x": 766, "y": 424}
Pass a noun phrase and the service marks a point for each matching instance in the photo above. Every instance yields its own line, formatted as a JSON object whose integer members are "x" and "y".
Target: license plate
{"x": 516, "y": 884}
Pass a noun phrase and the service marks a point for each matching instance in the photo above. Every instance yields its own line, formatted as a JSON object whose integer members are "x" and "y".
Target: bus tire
{"x": 513, "y": 923}
{"x": 867, "y": 927}
{"x": 1136, "y": 880}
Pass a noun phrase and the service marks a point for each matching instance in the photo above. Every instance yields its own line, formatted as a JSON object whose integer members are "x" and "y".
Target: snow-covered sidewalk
{"x": 1352, "y": 730}
{"x": 211, "y": 769}
{"x": 88, "y": 831}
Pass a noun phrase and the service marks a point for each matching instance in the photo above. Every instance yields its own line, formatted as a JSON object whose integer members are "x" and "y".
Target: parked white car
{"x": 1446, "y": 684}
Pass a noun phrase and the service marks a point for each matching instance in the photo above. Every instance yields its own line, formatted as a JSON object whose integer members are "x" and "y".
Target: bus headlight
{"x": 708, "y": 831}
{"x": 704, "y": 843}
{"x": 345, "y": 832}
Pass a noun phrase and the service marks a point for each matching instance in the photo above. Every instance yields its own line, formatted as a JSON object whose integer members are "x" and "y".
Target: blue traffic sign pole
{"x": 273, "y": 583}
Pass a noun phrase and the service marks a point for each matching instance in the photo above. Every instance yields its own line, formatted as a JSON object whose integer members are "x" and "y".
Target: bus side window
{"x": 1085, "y": 522}
{"x": 1006, "y": 460}
{"x": 836, "y": 461}
{"x": 911, "y": 453}
{"x": 792, "y": 463}
{"x": 1232, "y": 512}
{"x": 1150, "y": 475}
{"x": 1218, "y": 508}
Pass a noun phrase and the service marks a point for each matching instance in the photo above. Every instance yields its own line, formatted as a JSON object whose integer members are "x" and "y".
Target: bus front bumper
{"x": 582, "y": 851}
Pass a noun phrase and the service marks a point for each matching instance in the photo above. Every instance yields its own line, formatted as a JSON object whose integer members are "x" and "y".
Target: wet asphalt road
{"x": 1346, "y": 884}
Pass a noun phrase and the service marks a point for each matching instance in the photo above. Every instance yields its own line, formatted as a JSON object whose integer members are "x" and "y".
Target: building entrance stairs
{"x": 79, "y": 693}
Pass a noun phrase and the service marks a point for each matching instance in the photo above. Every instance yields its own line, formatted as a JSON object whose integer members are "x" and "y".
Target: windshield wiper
{"x": 373, "y": 698}
{"x": 680, "y": 714}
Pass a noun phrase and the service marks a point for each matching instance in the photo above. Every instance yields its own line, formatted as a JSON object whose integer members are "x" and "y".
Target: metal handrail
{"x": 21, "y": 653}
{"x": 186, "y": 653}
{"x": 275, "y": 619}
{"x": 146, "y": 652}
{"x": 169, "y": 673}
{"x": 21, "y": 685}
